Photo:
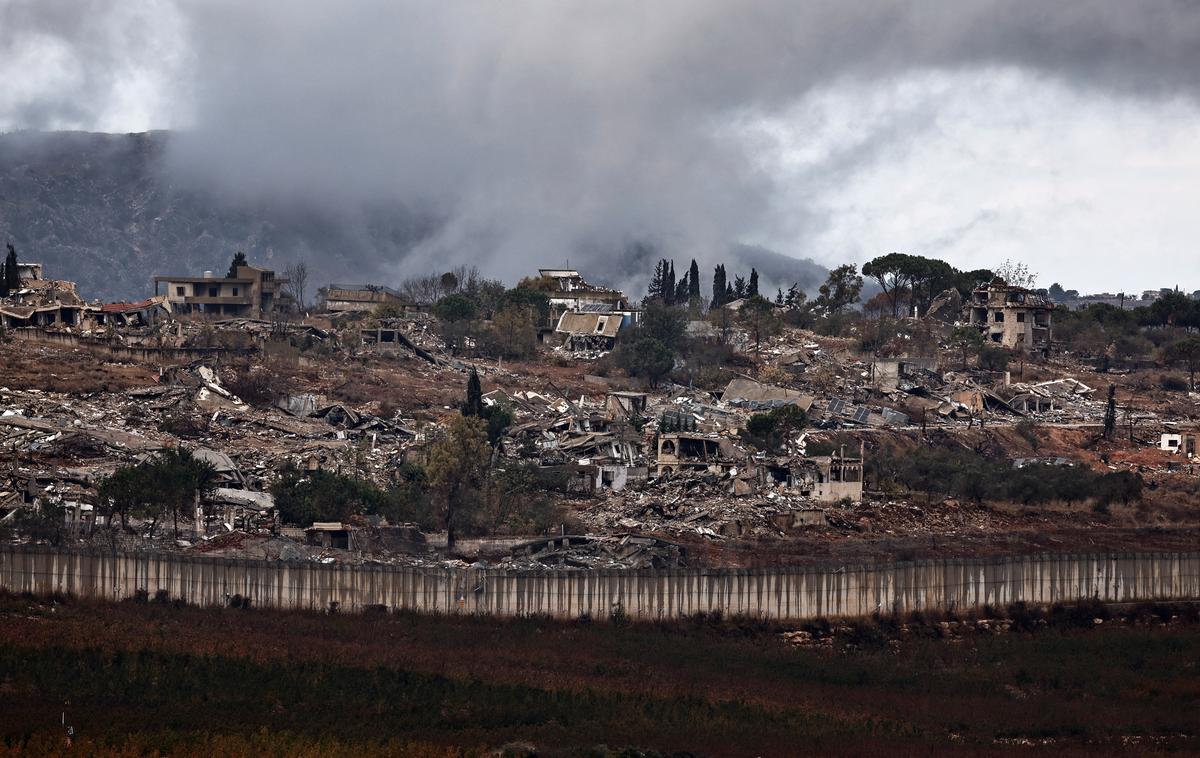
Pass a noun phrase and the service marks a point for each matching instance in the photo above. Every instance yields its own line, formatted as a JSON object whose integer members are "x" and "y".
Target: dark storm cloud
{"x": 537, "y": 130}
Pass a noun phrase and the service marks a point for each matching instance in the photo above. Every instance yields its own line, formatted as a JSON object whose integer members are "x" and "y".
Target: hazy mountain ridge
{"x": 103, "y": 210}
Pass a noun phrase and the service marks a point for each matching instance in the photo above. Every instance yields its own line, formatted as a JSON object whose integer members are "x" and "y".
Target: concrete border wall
{"x": 135, "y": 353}
{"x": 779, "y": 593}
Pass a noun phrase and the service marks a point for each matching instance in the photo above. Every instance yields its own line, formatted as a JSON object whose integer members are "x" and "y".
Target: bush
{"x": 253, "y": 386}
{"x": 1172, "y": 383}
{"x": 302, "y": 499}
{"x": 1024, "y": 617}
{"x": 967, "y": 475}
{"x": 993, "y": 358}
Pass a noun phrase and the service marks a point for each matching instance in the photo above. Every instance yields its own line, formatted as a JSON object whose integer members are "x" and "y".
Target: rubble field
{"x": 69, "y": 417}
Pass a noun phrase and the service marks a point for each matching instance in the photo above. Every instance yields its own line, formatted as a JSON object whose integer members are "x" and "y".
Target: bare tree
{"x": 1017, "y": 274}
{"x": 297, "y": 275}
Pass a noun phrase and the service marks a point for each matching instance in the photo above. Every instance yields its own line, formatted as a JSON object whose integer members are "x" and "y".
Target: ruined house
{"x": 681, "y": 453}
{"x": 824, "y": 478}
{"x": 619, "y": 406}
{"x": 747, "y": 393}
{"x": 362, "y": 298}
{"x": 1182, "y": 443}
{"x": 1013, "y": 317}
{"x": 589, "y": 331}
{"x": 133, "y": 315}
{"x": 42, "y": 302}
{"x": 253, "y": 293}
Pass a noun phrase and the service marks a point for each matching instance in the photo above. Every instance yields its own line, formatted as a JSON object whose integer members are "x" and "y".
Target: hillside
{"x": 101, "y": 210}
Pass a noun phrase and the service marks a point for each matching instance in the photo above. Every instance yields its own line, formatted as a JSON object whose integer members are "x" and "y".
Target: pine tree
{"x": 794, "y": 298}
{"x": 752, "y": 289}
{"x": 779, "y": 297}
{"x": 474, "y": 404}
{"x": 694, "y": 281}
{"x": 657, "y": 281}
{"x": 739, "y": 287}
{"x": 239, "y": 259}
{"x": 719, "y": 286}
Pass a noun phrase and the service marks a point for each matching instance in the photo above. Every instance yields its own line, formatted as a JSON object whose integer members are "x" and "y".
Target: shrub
{"x": 1172, "y": 383}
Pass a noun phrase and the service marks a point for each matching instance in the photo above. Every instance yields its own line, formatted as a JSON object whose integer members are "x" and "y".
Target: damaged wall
{"x": 782, "y": 593}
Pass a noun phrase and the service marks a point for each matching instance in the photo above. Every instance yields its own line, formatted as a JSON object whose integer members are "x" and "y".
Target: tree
{"x": 454, "y": 308}
{"x": 892, "y": 272}
{"x": 1110, "y": 413}
{"x": 752, "y": 287}
{"x": 321, "y": 495}
{"x": 1016, "y": 274}
{"x": 929, "y": 277}
{"x": 1187, "y": 352}
{"x": 682, "y": 287}
{"x": 449, "y": 282}
{"x": 719, "y": 286}
{"x": 669, "y": 285}
{"x": 693, "y": 282}
{"x": 457, "y": 470}
{"x": 794, "y": 298}
{"x": 182, "y": 480}
{"x": 126, "y": 492}
{"x": 841, "y": 289}
{"x": 297, "y": 275}
{"x": 535, "y": 301}
{"x": 739, "y": 288}
{"x": 646, "y": 357}
{"x": 474, "y": 404}
{"x": 967, "y": 340}
{"x": 658, "y": 282}
{"x": 12, "y": 277}
{"x": 239, "y": 259}
{"x": 768, "y": 431}
{"x": 513, "y": 334}
{"x": 1057, "y": 293}
{"x": 665, "y": 324}
{"x": 758, "y": 315}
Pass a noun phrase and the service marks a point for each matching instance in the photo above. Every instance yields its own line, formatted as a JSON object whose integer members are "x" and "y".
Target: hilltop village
{"x": 557, "y": 423}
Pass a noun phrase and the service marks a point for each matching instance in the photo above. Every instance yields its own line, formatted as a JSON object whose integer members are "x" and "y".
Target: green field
{"x": 138, "y": 679}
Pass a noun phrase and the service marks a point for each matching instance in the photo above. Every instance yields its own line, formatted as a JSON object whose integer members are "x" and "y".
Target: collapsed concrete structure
{"x": 1013, "y": 317}
{"x": 362, "y": 298}
{"x": 252, "y": 292}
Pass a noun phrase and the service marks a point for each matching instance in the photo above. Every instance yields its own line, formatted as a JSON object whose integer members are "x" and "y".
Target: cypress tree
{"x": 12, "y": 279}
{"x": 718, "y": 290}
{"x": 474, "y": 404}
{"x": 752, "y": 290}
{"x": 694, "y": 281}
{"x": 669, "y": 284}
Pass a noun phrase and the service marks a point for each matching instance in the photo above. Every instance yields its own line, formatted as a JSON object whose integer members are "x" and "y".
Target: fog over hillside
{"x": 386, "y": 138}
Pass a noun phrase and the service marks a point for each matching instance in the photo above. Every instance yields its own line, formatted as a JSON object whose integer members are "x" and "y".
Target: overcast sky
{"x": 1065, "y": 134}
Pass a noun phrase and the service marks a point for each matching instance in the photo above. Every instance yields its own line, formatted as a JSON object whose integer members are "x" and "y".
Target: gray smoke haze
{"x": 541, "y": 131}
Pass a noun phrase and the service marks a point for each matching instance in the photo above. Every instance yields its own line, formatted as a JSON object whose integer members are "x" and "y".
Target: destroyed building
{"x": 680, "y": 453}
{"x": 253, "y": 293}
{"x": 362, "y": 298}
{"x": 589, "y": 331}
{"x": 1014, "y": 317}
{"x": 823, "y": 478}
{"x": 39, "y": 302}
